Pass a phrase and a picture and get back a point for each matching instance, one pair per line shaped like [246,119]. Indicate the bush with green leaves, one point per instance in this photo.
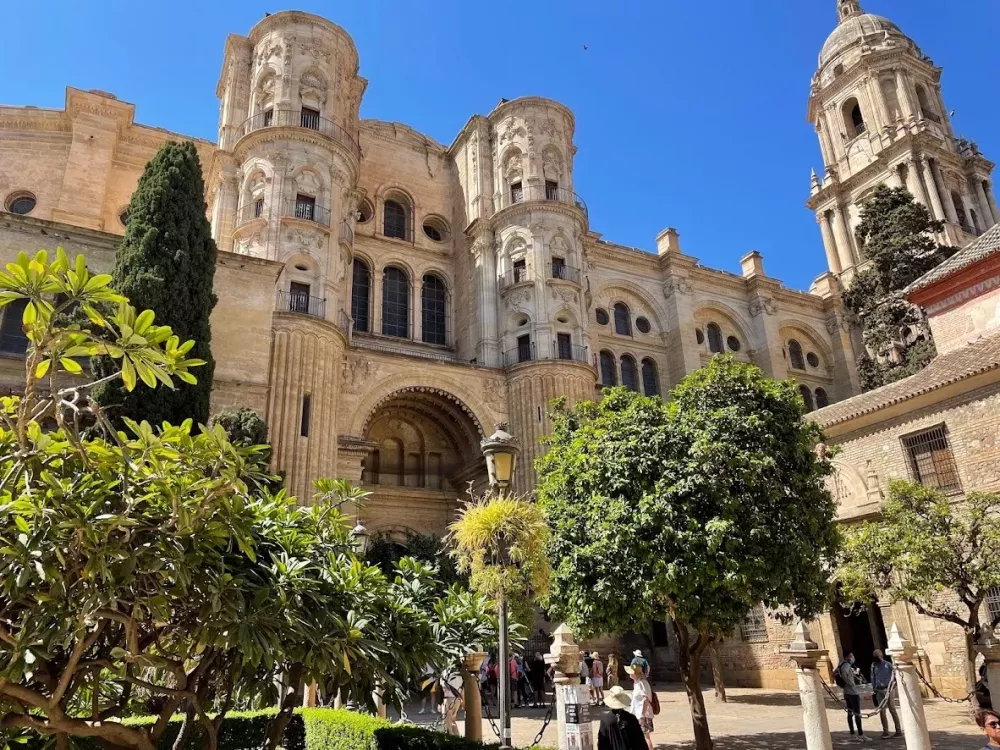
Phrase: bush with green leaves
[154,566]
[697,510]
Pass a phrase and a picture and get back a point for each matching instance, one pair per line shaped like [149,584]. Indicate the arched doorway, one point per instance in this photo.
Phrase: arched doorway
[425,451]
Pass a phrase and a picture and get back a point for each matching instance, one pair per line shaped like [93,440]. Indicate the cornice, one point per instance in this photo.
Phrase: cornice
[274,21]
[505,216]
[278,133]
[508,109]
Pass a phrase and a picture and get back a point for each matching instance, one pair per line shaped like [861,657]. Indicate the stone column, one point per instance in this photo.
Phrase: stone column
[967,205]
[984,205]
[473,700]
[913,183]
[991,199]
[825,147]
[829,242]
[903,92]
[564,656]
[935,196]
[484,258]
[807,654]
[842,232]
[911,702]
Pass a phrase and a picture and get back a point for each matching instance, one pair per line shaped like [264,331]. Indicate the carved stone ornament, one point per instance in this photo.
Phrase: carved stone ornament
[358,370]
[672,285]
[495,393]
[762,305]
[303,238]
[517,297]
[836,322]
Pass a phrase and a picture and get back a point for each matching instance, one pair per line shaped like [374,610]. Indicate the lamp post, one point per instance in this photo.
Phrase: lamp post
[501,450]
[360,536]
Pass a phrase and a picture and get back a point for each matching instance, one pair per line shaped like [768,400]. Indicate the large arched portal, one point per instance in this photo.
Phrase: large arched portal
[425,451]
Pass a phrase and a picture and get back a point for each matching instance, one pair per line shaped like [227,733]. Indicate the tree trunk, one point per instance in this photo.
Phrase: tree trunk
[689,661]
[970,660]
[718,673]
[182,734]
[293,697]
[62,741]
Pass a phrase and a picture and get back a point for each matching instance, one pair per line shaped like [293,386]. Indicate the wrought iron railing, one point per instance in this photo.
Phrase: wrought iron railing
[565,273]
[514,276]
[347,232]
[250,211]
[308,211]
[540,193]
[294,118]
[531,353]
[519,354]
[297,302]
[572,352]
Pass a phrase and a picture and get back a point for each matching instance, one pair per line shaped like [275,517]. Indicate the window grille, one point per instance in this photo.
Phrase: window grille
[524,348]
[268,117]
[564,344]
[434,309]
[993,603]
[305,207]
[795,355]
[520,271]
[753,629]
[395,303]
[650,381]
[309,118]
[298,297]
[609,374]
[516,192]
[394,220]
[629,375]
[715,344]
[12,338]
[623,321]
[551,190]
[931,460]
[361,289]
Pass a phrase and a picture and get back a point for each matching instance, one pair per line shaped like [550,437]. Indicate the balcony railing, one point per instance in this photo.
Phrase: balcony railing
[250,211]
[308,211]
[346,232]
[565,273]
[532,353]
[540,193]
[294,118]
[297,302]
[515,276]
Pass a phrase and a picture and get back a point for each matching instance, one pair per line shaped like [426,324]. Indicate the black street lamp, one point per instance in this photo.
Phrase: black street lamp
[501,451]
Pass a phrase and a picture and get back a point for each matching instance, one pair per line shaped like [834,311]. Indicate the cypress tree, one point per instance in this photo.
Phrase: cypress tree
[166,263]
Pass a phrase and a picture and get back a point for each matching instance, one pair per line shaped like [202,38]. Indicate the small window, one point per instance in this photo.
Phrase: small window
[309,118]
[123,217]
[993,603]
[520,270]
[733,343]
[623,320]
[630,376]
[715,338]
[642,324]
[12,338]
[699,335]
[268,117]
[305,207]
[433,232]
[609,372]
[602,316]
[21,203]
[650,380]
[564,345]
[822,400]
[306,408]
[753,629]
[795,355]
[558,268]
[365,211]
[551,190]
[258,208]
[516,192]
[361,285]
[524,348]
[812,359]
[807,397]
[298,297]
[931,460]
[394,220]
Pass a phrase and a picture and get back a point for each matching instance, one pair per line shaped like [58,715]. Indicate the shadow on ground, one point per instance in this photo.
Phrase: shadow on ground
[767,699]
[841,741]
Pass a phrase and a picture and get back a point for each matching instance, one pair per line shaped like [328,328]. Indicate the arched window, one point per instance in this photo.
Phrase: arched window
[12,337]
[433,307]
[394,222]
[630,375]
[926,108]
[361,293]
[395,302]
[795,355]
[807,397]
[609,373]
[821,398]
[714,338]
[650,380]
[854,120]
[623,321]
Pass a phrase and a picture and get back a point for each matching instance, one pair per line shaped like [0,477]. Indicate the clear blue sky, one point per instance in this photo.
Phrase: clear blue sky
[690,113]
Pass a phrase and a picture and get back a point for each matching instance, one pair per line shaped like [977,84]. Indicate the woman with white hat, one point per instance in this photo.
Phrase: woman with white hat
[619,729]
[642,702]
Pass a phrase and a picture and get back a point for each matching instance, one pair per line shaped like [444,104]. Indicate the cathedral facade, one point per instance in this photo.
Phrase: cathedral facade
[385,299]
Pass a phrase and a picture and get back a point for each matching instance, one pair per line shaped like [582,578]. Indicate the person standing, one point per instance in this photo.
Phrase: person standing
[619,729]
[882,689]
[989,721]
[584,669]
[597,679]
[852,693]
[611,673]
[642,703]
[536,675]
[637,659]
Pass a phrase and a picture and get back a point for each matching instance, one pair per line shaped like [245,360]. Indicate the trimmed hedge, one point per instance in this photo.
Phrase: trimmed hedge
[308,729]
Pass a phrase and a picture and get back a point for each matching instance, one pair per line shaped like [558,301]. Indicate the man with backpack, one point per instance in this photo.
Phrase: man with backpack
[848,679]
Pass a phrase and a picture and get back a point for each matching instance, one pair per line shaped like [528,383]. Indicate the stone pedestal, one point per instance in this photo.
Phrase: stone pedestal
[989,647]
[473,700]
[565,657]
[911,702]
[807,656]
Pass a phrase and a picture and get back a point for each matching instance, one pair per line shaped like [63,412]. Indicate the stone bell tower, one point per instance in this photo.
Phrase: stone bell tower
[880,117]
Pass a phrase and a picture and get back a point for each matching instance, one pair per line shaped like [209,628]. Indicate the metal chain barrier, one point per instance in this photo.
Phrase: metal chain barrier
[538,737]
[489,716]
[545,724]
[877,710]
[937,694]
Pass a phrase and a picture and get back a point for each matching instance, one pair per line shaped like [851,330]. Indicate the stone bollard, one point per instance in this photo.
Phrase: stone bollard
[473,700]
[806,654]
[989,647]
[565,657]
[911,702]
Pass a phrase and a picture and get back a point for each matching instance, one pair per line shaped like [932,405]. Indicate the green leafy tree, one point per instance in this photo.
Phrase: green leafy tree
[939,555]
[385,551]
[696,510]
[154,568]
[896,234]
[243,426]
[167,260]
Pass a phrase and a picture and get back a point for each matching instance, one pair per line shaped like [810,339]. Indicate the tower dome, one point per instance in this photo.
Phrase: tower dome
[857,28]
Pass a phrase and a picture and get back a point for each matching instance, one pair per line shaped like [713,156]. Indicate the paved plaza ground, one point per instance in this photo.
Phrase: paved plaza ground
[761,720]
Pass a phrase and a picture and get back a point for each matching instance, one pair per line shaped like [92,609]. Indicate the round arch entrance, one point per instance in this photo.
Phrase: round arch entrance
[425,452]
